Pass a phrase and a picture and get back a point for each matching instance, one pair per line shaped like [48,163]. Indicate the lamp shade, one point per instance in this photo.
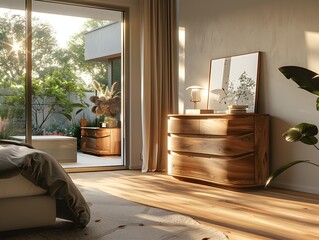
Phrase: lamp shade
[194,87]
[195,93]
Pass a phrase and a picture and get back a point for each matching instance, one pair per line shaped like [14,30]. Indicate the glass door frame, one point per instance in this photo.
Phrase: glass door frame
[28,80]
[124,75]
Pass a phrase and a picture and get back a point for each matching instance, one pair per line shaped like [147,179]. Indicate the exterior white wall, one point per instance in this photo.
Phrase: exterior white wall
[69,10]
[103,42]
[287,33]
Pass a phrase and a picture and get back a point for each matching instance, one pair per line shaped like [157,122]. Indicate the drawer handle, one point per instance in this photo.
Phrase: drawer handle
[104,136]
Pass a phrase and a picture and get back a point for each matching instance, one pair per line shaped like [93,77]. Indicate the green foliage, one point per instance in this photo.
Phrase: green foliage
[303,132]
[285,167]
[54,95]
[57,86]
[95,70]
[12,31]
[305,78]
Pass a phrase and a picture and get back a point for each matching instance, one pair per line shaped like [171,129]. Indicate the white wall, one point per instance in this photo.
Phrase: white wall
[104,42]
[287,33]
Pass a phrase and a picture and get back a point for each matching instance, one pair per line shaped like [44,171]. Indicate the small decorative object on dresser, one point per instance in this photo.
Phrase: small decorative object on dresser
[226,149]
[237,109]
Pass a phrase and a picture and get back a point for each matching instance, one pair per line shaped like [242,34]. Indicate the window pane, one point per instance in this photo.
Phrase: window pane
[12,69]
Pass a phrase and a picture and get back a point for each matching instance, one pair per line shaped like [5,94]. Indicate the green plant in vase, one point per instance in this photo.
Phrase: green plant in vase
[303,132]
[107,103]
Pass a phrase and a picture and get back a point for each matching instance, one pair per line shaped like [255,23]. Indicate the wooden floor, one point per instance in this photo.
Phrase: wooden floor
[244,214]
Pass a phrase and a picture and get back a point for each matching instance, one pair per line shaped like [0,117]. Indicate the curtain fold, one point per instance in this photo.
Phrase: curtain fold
[159,79]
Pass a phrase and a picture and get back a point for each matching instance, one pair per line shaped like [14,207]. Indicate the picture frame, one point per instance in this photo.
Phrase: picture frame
[234,81]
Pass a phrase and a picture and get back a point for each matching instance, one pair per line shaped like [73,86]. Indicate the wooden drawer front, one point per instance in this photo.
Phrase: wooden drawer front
[212,126]
[190,126]
[96,133]
[224,146]
[96,143]
[224,126]
[227,171]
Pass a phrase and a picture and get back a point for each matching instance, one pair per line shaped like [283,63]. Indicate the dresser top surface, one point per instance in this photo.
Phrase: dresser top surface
[217,115]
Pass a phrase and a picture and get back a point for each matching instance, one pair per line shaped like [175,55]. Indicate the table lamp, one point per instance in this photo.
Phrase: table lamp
[195,94]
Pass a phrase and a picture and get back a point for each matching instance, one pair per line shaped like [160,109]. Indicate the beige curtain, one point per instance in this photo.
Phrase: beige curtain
[159,79]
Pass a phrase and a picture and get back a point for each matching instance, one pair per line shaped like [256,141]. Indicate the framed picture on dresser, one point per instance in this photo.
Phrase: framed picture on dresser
[234,81]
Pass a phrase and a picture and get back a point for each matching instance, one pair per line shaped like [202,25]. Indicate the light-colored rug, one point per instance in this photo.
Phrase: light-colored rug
[113,218]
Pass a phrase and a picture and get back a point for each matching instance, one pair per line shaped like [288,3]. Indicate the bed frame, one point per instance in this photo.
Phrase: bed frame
[26,209]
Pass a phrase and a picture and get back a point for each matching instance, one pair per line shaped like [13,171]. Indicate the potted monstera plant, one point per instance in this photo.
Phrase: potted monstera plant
[303,132]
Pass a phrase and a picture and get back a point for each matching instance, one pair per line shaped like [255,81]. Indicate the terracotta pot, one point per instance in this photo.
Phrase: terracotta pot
[83,122]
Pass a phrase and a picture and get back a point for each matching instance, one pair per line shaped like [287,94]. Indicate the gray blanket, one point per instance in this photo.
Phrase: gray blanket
[44,171]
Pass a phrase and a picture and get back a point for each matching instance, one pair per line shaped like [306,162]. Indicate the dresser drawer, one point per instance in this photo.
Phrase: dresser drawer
[101,141]
[226,171]
[228,126]
[101,133]
[187,126]
[220,146]
[212,126]
[226,149]
[96,143]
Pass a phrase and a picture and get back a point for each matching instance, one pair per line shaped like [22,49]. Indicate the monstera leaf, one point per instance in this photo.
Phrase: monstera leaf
[303,132]
[305,78]
[285,167]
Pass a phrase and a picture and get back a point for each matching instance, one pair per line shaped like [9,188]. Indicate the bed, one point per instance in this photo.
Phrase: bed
[35,189]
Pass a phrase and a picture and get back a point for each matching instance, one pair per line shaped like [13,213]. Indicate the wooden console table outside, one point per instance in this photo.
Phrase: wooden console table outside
[101,141]
[226,149]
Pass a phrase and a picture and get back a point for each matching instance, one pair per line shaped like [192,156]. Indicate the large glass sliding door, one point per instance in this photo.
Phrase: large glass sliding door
[74,55]
[76,60]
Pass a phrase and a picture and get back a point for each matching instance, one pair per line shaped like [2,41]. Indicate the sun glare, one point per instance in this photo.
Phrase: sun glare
[16,47]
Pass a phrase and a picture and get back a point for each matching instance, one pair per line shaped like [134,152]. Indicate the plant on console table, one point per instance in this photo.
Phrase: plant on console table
[303,132]
[107,103]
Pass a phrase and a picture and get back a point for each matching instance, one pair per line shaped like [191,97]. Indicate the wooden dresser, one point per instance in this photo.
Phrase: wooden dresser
[101,141]
[226,149]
